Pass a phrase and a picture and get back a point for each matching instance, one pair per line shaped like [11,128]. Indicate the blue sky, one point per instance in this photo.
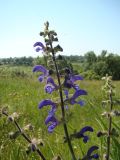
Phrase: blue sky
[82,25]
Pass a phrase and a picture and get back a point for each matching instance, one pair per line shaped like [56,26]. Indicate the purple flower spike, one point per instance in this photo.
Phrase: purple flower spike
[92,149]
[46,102]
[40,68]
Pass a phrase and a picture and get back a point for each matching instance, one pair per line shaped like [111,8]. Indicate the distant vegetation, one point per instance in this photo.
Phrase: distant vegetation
[90,65]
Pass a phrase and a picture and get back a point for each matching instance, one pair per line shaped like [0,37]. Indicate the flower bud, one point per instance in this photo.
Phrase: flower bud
[106,114]
[13,116]
[37,142]
[28,127]
[115,113]
[14,135]
[10,118]
[41,33]
[100,133]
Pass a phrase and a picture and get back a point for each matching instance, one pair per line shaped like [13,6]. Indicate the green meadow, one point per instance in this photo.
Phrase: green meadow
[21,92]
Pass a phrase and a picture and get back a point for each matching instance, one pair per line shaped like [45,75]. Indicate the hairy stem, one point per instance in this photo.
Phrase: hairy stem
[62,106]
[26,138]
[109,127]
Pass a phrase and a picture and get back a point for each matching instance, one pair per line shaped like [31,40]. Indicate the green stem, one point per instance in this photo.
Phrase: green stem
[109,127]
[62,106]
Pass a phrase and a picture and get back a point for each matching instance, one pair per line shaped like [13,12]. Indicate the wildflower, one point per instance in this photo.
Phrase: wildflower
[50,86]
[70,79]
[52,122]
[80,134]
[92,149]
[40,46]
[51,81]
[47,102]
[89,156]
[76,95]
[43,70]
[72,100]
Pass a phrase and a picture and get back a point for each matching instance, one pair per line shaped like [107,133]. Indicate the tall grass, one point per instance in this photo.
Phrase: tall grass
[22,95]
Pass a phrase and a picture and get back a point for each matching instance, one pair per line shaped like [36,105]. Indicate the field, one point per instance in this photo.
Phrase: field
[21,92]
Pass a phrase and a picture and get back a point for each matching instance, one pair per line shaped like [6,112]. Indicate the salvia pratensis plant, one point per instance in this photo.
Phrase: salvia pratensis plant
[63,81]
[66,81]
[109,102]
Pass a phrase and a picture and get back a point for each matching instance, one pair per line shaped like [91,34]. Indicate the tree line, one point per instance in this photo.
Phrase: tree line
[90,65]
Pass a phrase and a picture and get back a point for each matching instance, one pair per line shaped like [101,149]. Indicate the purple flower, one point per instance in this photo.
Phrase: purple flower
[49,88]
[81,103]
[76,95]
[37,49]
[41,78]
[51,81]
[70,79]
[41,69]
[92,149]
[67,83]
[80,134]
[76,87]
[40,46]
[75,78]
[52,122]
[50,118]
[52,126]
[46,102]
